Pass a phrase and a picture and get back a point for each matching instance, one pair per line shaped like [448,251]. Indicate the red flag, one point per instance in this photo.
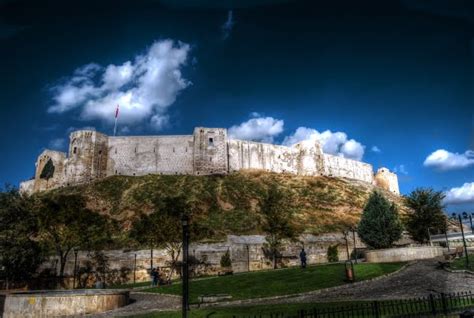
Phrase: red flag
[117,111]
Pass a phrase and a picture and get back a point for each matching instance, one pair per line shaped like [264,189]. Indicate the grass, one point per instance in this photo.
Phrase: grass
[277,282]
[388,308]
[460,263]
[263,310]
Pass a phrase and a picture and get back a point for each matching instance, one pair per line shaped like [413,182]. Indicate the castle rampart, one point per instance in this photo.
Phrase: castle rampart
[93,155]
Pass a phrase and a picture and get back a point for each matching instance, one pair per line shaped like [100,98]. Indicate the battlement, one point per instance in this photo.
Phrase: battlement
[93,155]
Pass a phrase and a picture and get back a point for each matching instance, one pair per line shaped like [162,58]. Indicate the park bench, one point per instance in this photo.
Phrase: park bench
[457,252]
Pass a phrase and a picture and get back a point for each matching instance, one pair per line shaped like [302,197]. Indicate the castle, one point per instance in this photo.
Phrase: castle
[93,155]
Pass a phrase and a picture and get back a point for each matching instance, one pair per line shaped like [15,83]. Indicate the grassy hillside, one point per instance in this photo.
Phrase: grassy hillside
[230,204]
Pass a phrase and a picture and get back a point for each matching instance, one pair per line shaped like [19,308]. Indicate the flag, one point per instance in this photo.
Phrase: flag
[116,116]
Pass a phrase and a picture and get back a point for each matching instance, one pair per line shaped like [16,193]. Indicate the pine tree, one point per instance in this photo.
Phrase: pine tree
[380,224]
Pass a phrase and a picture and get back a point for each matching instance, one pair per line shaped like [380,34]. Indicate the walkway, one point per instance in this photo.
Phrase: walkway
[416,280]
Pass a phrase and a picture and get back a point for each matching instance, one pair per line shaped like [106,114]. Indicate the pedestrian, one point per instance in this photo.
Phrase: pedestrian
[154,277]
[303,258]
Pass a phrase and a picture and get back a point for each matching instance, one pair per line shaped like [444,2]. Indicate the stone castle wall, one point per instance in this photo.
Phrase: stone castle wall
[93,155]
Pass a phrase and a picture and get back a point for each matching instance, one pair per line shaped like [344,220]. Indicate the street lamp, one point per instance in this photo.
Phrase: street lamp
[135,270]
[463,238]
[353,229]
[185,225]
[347,244]
[466,216]
[75,268]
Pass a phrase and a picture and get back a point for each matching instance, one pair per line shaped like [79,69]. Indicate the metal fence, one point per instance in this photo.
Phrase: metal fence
[432,305]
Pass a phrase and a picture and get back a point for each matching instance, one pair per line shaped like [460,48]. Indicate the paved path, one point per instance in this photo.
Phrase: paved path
[144,303]
[416,280]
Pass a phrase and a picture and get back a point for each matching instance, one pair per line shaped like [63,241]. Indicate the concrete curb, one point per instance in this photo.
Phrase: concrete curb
[465,271]
[314,292]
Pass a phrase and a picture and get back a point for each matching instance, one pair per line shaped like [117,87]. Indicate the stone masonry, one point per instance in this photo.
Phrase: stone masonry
[93,155]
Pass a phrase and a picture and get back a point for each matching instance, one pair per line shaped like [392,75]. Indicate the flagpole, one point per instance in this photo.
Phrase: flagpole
[116,117]
[115,126]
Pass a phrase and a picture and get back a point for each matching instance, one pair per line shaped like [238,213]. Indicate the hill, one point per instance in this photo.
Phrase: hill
[229,204]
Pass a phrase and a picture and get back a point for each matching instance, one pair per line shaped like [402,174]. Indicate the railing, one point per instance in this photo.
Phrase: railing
[434,304]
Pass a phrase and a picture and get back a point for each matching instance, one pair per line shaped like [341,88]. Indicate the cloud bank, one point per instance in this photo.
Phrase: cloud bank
[266,129]
[144,87]
[463,194]
[335,143]
[258,128]
[444,160]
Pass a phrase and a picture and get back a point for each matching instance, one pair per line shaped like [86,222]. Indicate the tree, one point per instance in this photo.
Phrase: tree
[162,228]
[66,223]
[277,220]
[426,214]
[380,224]
[20,253]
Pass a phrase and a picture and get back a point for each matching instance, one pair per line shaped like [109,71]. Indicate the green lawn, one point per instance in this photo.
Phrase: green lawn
[277,282]
[263,310]
[460,263]
[387,309]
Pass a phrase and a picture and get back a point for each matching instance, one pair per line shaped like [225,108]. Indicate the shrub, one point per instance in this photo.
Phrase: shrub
[225,260]
[333,253]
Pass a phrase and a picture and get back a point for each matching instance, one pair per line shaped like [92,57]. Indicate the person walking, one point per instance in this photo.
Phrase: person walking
[303,258]
[154,277]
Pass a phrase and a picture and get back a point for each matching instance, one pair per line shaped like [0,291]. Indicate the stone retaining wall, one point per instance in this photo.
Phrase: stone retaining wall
[403,254]
[62,303]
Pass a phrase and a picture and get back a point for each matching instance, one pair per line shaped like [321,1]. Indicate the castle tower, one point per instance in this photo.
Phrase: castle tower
[210,151]
[87,159]
[387,180]
[49,170]
[309,158]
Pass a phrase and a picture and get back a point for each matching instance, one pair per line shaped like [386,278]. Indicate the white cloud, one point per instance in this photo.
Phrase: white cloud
[228,24]
[57,144]
[444,160]
[258,129]
[143,87]
[335,143]
[463,194]
[375,149]
[400,169]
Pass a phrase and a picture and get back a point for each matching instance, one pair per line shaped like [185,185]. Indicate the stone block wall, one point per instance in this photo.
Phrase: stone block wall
[336,166]
[150,155]
[93,155]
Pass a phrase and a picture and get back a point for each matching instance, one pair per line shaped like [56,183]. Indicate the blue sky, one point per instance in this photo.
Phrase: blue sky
[395,77]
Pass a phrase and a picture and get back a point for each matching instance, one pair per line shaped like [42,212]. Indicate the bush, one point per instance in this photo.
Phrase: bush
[333,253]
[380,224]
[225,260]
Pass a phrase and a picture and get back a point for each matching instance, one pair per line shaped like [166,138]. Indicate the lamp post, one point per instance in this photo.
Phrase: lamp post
[355,247]
[466,216]
[347,244]
[185,225]
[75,268]
[135,270]
[463,238]
[248,257]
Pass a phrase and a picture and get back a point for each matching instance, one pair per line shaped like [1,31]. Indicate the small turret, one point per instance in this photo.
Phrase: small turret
[387,180]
